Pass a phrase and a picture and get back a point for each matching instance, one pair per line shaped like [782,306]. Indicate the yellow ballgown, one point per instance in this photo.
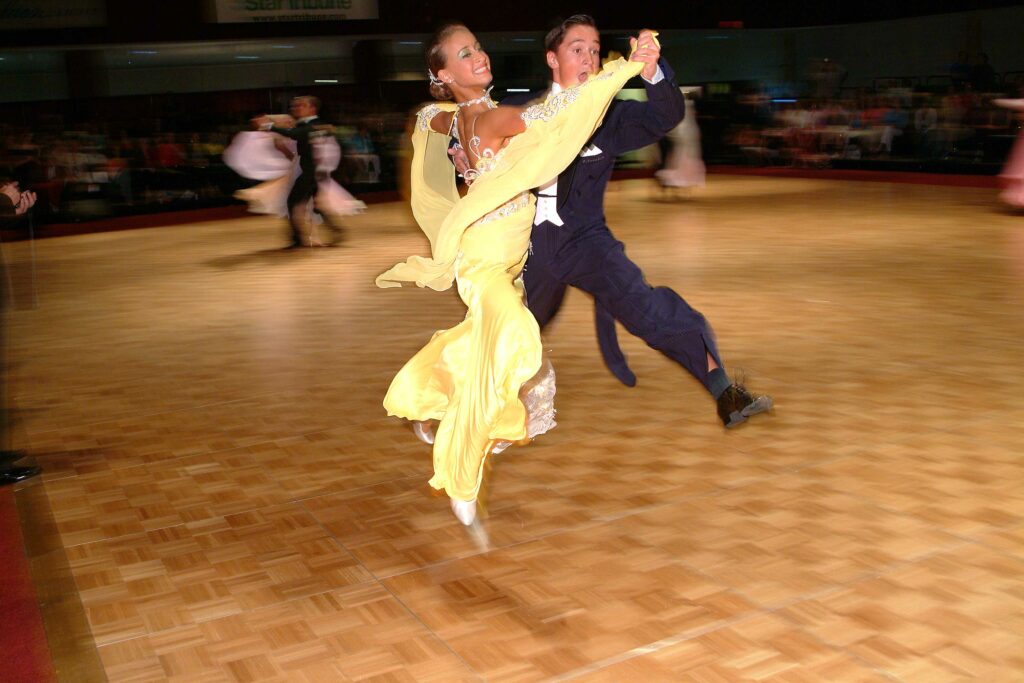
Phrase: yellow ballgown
[471,376]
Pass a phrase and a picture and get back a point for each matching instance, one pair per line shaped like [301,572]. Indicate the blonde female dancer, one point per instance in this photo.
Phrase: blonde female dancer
[470,377]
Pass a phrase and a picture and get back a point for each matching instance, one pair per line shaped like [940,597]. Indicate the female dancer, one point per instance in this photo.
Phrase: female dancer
[1013,170]
[471,376]
[684,166]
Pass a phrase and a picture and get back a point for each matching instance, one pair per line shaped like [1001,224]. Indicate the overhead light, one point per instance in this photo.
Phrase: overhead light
[325,80]
[246,57]
[783,100]
[517,90]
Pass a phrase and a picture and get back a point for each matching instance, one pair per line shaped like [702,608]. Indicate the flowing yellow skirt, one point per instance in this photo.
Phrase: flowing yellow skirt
[470,376]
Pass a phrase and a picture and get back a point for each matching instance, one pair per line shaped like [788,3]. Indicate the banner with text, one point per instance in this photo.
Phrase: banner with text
[19,14]
[248,11]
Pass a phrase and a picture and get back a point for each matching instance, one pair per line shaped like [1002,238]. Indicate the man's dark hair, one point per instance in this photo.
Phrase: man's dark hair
[556,35]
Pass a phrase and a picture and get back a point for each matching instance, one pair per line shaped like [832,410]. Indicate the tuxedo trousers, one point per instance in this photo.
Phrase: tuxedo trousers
[591,259]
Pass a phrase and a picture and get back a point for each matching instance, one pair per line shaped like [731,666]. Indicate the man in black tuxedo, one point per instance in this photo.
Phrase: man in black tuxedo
[305,111]
[571,243]
[14,206]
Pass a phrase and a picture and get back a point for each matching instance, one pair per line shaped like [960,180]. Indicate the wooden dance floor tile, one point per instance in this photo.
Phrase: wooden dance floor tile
[955,615]
[763,647]
[231,503]
[542,608]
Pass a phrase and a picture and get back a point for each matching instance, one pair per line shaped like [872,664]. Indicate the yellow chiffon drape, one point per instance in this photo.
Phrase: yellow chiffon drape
[469,377]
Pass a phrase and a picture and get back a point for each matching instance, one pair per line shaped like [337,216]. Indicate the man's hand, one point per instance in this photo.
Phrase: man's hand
[28,200]
[459,158]
[645,48]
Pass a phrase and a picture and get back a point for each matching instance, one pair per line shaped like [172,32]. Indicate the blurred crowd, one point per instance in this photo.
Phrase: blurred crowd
[934,121]
[97,169]
[93,170]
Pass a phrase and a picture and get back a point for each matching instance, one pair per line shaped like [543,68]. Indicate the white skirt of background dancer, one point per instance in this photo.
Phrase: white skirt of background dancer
[254,155]
[1013,172]
[684,166]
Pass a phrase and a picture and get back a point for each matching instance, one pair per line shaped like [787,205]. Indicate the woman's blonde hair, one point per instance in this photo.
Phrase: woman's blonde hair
[436,60]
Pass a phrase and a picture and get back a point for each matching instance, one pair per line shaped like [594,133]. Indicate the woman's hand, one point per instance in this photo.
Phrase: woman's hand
[646,48]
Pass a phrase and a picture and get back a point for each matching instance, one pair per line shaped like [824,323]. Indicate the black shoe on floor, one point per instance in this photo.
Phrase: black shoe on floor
[8,457]
[736,404]
[13,475]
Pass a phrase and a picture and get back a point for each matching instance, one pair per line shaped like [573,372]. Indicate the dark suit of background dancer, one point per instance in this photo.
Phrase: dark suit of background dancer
[14,204]
[572,244]
[305,111]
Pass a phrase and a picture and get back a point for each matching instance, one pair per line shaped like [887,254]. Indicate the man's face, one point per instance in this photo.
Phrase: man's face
[577,58]
[302,108]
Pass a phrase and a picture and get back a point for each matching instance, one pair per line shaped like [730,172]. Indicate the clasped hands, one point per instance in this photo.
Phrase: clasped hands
[646,48]
[22,201]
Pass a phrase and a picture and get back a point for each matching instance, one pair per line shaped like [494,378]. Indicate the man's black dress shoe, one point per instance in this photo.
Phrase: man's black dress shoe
[13,475]
[736,404]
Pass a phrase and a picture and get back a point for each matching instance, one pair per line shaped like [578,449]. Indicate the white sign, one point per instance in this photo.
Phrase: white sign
[19,14]
[235,11]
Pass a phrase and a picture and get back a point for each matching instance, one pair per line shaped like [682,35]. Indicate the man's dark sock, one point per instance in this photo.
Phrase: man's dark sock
[718,382]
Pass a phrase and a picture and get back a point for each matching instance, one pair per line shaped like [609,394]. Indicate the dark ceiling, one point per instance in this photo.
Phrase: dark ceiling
[132,21]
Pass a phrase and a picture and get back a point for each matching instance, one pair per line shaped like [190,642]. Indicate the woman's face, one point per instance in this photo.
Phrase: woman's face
[466,64]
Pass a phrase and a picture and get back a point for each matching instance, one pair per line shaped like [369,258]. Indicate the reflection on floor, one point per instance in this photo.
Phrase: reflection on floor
[233,505]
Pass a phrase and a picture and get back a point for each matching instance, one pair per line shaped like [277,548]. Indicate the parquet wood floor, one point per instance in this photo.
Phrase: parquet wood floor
[234,505]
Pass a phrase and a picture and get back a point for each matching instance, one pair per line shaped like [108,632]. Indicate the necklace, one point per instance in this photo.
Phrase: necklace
[485,99]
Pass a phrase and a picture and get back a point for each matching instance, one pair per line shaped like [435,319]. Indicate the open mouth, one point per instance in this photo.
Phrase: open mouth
[584,76]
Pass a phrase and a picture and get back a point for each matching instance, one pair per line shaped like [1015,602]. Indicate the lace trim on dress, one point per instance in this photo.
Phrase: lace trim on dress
[538,395]
[426,115]
[547,109]
[517,203]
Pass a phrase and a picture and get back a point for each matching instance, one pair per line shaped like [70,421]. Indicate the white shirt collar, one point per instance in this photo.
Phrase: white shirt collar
[307,119]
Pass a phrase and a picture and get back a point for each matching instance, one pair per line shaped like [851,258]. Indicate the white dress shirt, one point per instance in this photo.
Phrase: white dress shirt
[547,194]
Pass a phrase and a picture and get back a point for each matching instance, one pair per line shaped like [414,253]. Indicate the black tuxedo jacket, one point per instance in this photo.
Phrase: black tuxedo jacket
[627,125]
[302,133]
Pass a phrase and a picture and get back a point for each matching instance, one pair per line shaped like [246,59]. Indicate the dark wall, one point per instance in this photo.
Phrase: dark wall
[183,20]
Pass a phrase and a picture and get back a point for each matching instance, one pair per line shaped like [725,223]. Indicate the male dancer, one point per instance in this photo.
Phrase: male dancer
[305,111]
[571,243]
[14,204]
